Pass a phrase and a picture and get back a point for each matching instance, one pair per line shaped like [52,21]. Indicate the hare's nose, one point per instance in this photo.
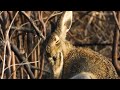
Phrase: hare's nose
[48,55]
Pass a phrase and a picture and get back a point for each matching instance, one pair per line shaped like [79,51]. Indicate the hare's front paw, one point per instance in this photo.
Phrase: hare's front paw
[59,59]
[51,61]
[58,65]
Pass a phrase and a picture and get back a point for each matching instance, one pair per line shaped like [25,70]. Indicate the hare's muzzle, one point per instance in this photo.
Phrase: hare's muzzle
[51,56]
[51,59]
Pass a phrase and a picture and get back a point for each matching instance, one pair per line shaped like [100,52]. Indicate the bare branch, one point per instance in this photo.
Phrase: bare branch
[39,33]
[22,59]
[115,42]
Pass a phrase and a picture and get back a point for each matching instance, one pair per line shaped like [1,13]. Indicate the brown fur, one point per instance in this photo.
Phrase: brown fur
[76,59]
[86,60]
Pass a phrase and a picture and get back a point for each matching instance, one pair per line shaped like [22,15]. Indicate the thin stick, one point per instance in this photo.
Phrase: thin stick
[35,59]
[52,15]
[115,43]
[21,64]
[39,33]
[14,67]
[22,59]
[21,72]
[3,62]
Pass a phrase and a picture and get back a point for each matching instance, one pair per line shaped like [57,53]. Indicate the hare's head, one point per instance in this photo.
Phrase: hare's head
[57,41]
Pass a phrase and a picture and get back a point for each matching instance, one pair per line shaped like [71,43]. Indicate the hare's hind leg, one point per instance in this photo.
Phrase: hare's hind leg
[84,75]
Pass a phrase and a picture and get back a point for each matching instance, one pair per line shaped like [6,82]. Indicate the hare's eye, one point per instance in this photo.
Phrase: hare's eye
[57,42]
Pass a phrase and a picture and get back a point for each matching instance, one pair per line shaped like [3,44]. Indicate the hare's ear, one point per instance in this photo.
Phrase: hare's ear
[65,21]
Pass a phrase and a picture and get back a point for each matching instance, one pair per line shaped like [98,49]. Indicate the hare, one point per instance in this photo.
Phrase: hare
[70,62]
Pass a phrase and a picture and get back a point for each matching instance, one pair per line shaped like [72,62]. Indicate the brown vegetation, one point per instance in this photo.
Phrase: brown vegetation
[23,35]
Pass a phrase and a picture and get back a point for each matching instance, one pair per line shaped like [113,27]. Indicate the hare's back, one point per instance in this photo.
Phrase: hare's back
[87,60]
